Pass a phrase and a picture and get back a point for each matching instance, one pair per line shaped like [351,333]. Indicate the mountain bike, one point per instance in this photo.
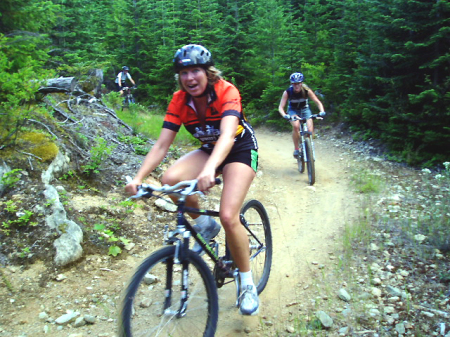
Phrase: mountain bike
[128,96]
[307,155]
[173,292]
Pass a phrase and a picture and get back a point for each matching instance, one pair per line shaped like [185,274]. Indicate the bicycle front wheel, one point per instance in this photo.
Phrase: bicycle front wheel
[153,306]
[301,163]
[255,218]
[310,162]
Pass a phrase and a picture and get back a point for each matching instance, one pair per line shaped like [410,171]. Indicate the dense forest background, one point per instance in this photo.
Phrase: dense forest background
[382,67]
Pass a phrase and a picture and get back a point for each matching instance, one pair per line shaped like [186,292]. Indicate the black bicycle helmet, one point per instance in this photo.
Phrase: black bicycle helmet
[125,68]
[296,78]
[192,55]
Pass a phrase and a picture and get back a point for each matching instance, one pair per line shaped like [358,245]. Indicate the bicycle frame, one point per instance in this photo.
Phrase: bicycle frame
[195,294]
[304,133]
[127,96]
[186,230]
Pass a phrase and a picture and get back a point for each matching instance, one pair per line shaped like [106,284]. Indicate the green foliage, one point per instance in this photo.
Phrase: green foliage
[434,217]
[129,205]
[149,125]
[13,216]
[383,67]
[99,153]
[66,176]
[366,182]
[112,99]
[6,281]
[139,143]
[108,235]
[135,140]
[23,53]
[24,252]
[10,178]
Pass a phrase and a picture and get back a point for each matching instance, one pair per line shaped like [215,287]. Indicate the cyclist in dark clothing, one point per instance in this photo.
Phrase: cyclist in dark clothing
[298,95]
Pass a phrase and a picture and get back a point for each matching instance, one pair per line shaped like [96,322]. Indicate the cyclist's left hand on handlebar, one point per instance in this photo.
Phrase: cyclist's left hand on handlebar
[287,117]
[206,179]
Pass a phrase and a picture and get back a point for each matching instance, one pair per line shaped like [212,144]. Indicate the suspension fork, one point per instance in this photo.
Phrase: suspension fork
[180,257]
[184,273]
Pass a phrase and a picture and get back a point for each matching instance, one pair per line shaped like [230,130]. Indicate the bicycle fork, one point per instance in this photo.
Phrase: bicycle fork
[305,154]
[181,249]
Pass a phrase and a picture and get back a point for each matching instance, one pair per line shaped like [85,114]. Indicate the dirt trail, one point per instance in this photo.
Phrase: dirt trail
[306,225]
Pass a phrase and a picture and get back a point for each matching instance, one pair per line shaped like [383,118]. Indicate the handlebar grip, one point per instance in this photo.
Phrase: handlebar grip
[218,181]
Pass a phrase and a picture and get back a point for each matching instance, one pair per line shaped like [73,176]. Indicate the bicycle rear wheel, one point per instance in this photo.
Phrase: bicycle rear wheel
[310,162]
[152,301]
[255,218]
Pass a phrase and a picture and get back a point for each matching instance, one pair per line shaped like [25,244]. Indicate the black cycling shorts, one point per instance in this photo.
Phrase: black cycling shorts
[247,157]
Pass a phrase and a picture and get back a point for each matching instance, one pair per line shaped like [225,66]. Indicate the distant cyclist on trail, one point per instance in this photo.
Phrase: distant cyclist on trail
[298,95]
[121,79]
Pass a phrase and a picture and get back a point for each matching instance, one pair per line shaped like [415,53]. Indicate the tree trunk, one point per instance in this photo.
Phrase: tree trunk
[66,84]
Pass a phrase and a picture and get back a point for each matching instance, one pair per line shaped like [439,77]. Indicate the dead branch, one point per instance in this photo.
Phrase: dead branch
[48,129]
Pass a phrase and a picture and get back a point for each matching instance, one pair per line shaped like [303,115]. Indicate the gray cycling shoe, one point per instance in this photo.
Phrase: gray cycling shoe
[208,233]
[296,153]
[249,301]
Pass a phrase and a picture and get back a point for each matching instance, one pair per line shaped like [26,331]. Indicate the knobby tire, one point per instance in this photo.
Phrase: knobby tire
[301,163]
[310,161]
[256,217]
[142,312]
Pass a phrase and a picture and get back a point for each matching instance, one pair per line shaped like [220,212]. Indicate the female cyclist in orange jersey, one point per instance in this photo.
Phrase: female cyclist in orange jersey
[210,109]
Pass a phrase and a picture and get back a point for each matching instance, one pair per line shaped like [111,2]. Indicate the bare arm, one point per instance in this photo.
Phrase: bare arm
[228,128]
[131,79]
[313,97]
[283,102]
[152,160]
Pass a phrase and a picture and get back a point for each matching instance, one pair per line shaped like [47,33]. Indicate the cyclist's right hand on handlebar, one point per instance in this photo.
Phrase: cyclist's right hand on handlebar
[132,186]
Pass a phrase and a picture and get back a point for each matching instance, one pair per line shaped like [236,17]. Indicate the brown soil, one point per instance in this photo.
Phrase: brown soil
[307,223]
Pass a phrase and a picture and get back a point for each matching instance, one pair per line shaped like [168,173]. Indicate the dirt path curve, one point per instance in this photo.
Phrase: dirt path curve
[306,225]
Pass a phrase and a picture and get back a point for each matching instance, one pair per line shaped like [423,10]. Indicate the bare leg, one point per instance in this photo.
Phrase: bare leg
[237,178]
[186,168]
[295,133]
[310,125]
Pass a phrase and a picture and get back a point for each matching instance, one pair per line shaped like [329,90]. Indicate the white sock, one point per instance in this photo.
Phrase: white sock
[246,279]
[202,221]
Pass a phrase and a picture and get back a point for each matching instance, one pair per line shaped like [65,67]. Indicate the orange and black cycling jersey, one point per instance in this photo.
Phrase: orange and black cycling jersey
[223,100]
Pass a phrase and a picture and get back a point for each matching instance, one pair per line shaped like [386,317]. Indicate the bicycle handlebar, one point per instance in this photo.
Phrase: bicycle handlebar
[186,187]
[320,115]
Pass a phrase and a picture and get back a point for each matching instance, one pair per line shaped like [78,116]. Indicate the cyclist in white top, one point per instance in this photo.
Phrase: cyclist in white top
[122,77]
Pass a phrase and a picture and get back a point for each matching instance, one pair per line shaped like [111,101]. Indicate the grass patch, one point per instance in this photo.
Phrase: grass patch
[149,123]
[366,182]
[146,121]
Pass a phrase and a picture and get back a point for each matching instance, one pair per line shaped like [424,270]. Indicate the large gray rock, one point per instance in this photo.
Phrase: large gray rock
[3,170]
[68,245]
[58,167]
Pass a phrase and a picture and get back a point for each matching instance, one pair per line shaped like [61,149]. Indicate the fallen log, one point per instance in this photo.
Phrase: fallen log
[65,84]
